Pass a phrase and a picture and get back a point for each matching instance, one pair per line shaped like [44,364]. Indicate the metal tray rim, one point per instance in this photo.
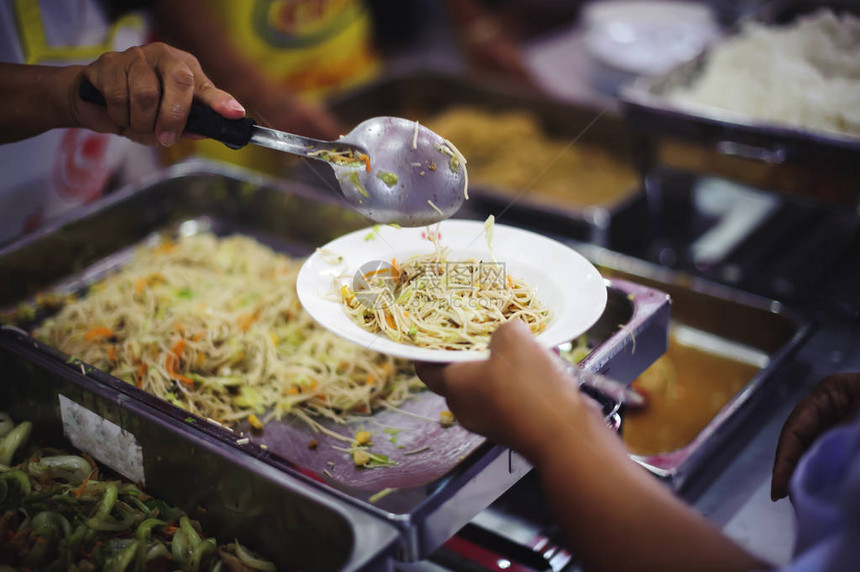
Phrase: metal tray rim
[414,526]
[18,341]
[804,325]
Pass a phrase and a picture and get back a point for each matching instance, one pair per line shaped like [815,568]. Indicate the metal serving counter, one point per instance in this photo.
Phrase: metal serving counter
[433,495]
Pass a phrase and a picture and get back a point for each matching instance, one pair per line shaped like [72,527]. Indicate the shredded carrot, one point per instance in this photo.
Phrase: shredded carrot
[140,285]
[165,248]
[293,390]
[510,282]
[369,380]
[178,347]
[80,490]
[112,352]
[245,320]
[395,267]
[366,160]
[374,273]
[172,361]
[141,371]
[389,320]
[100,332]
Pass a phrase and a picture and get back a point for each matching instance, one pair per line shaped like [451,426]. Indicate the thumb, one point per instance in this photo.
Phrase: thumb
[217,99]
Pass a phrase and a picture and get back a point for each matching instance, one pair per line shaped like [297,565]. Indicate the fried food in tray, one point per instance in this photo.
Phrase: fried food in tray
[511,152]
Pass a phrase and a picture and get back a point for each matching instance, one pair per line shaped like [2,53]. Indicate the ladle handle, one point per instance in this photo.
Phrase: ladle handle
[234,133]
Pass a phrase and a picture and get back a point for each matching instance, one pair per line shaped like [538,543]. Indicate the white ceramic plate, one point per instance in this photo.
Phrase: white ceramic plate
[562,279]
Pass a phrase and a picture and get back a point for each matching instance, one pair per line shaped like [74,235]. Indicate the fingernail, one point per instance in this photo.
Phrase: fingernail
[235,105]
[167,138]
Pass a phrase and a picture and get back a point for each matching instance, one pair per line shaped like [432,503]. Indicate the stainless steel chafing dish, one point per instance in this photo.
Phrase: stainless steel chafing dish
[434,496]
[765,155]
[723,322]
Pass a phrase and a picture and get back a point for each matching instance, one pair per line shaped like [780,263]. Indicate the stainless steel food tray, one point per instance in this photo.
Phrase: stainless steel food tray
[422,94]
[726,322]
[816,163]
[437,493]
[233,494]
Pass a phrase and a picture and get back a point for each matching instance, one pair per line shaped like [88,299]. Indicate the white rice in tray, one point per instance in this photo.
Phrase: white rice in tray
[805,74]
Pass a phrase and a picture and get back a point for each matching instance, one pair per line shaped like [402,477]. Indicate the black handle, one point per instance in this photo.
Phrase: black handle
[234,133]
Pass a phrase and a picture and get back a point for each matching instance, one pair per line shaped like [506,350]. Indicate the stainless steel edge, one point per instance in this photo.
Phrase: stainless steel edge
[644,103]
[796,327]
[637,344]
[623,357]
[490,470]
[372,537]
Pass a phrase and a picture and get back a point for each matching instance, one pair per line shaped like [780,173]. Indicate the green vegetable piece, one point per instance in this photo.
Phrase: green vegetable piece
[119,562]
[128,518]
[14,479]
[179,547]
[70,468]
[13,440]
[189,548]
[191,534]
[250,561]
[160,551]
[200,555]
[144,529]
[49,524]
[381,494]
[250,398]
[377,460]
[390,179]
[185,293]
[353,178]
[108,501]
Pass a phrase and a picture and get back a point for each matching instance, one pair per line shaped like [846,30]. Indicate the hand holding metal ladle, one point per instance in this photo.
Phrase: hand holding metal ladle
[391,170]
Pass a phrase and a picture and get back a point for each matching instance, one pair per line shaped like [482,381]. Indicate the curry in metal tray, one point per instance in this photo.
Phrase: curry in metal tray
[685,389]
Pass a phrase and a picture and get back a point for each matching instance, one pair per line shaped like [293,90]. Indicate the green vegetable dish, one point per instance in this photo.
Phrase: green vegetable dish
[57,513]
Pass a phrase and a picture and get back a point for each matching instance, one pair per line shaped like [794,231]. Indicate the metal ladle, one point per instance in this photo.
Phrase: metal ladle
[391,170]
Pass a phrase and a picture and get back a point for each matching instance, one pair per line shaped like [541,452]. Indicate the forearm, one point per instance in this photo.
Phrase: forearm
[35,99]
[615,516]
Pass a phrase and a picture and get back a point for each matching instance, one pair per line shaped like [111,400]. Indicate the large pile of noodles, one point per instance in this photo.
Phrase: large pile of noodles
[215,326]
